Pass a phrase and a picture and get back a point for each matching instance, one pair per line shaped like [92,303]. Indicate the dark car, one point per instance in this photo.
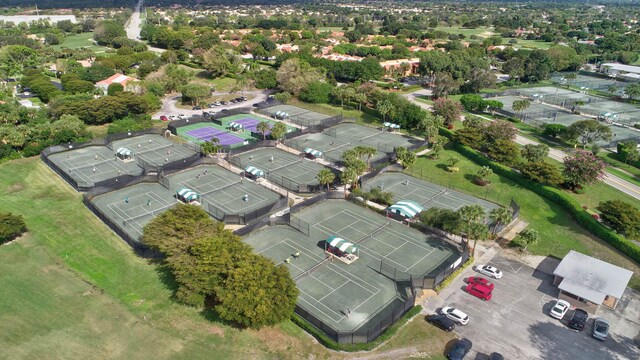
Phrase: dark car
[460,349]
[578,319]
[196,108]
[496,356]
[223,103]
[243,98]
[442,322]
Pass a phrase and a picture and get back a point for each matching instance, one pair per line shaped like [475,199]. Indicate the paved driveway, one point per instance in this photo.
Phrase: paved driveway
[516,323]
[169,104]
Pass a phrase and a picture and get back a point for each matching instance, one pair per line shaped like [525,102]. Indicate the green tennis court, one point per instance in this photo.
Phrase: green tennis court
[131,208]
[249,121]
[223,192]
[331,147]
[406,187]
[379,138]
[92,164]
[343,296]
[154,149]
[279,164]
[295,115]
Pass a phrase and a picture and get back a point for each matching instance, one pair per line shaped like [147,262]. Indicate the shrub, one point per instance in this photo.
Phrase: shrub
[453,275]
[621,216]
[11,226]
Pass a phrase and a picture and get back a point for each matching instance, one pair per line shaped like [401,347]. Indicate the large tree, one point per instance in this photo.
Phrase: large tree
[326,177]
[194,92]
[294,75]
[621,216]
[219,61]
[449,110]
[588,132]
[583,168]
[535,152]
[11,226]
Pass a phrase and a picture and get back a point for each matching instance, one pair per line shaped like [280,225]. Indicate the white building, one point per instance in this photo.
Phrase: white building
[17,19]
[621,71]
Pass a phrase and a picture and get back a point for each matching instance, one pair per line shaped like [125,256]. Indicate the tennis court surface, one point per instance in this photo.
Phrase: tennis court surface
[93,164]
[296,115]
[406,187]
[205,131]
[223,193]
[132,207]
[281,167]
[332,147]
[154,149]
[346,297]
[379,138]
[250,122]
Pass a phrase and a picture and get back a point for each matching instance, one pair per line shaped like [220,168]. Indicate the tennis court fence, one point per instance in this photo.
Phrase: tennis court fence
[248,216]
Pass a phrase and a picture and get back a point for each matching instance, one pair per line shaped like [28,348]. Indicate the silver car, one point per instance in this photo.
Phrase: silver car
[600,329]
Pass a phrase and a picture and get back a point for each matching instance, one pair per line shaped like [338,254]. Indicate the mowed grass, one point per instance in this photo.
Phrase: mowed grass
[72,289]
[481,31]
[559,233]
[83,40]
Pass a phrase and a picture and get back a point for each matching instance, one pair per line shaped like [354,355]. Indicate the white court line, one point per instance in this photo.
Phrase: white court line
[261,200]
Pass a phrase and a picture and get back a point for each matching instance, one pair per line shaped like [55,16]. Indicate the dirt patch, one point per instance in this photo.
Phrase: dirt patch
[215,330]
[14,188]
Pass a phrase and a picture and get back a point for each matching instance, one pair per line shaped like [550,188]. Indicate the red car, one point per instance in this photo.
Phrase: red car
[479,291]
[163,118]
[477,280]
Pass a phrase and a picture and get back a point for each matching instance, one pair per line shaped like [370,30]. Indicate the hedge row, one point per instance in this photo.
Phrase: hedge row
[570,204]
[454,275]
[329,343]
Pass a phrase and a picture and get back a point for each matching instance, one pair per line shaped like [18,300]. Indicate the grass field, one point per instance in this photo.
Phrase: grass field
[76,291]
[559,233]
[482,31]
[80,41]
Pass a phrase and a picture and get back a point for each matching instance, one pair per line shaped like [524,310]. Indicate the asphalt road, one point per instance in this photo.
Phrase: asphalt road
[556,154]
[134,25]
[169,104]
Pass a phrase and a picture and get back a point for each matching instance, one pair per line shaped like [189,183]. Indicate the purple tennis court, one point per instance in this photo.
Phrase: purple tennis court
[207,133]
[251,124]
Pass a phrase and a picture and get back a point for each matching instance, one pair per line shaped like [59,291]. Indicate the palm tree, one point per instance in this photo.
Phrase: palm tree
[528,237]
[436,148]
[326,177]
[263,127]
[349,94]
[347,177]
[210,147]
[500,216]
[360,98]
[338,93]
[477,232]
[470,214]
[367,151]
[385,107]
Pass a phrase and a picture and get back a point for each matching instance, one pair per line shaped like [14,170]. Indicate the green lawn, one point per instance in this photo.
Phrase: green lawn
[482,31]
[80,41]
[528,44]
[72,289]
[559,232]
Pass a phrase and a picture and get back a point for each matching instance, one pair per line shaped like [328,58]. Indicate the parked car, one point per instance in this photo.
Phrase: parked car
[233,101]
[442,322]
[479,291]
[600,329]
[172,117]
[559,309]
[460,349]
[164,118]
[489,270]
[181,117]
[481,281]
[578,319]
[243,98]
[197,107]
[455,314]
[496,356]
[223,103]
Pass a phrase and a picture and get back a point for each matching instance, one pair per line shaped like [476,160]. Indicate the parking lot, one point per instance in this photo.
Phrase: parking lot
[516,321]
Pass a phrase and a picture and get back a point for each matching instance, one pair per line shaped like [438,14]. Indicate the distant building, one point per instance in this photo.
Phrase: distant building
[127,82]
[621,71]
[17,19]
[590,281]
[397,65]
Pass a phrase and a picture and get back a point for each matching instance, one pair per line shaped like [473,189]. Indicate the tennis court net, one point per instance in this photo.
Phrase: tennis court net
[93,164]
[338,147]
[155,212]
[154,149]
[284,166]
[372,135]
[312,269]
[441,192]
[375,232]
[221,188]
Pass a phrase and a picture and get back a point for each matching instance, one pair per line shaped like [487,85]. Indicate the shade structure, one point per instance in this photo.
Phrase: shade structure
[341,244]
[391,125]
[235,126]
[124,152]
[406,208]
[254,171]
[187,195]
[313,152]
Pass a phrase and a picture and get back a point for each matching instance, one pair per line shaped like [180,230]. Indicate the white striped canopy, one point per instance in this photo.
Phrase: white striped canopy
[341,244]
[406,208]
[313,152]
[235,125]
[254,171]
[391,125]
[187,195]
[123,152]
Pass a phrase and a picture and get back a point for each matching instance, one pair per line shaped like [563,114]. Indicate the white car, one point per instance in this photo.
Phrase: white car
[559,309]
[455,315]
[489,270]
